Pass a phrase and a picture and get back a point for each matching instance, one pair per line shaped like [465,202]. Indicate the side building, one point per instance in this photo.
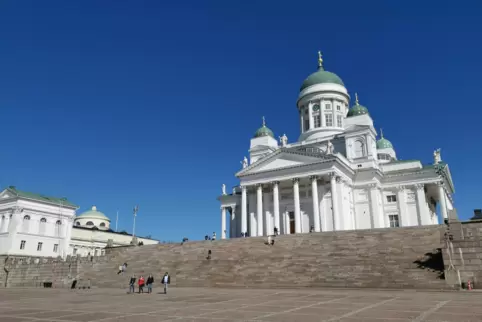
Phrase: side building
[37,225]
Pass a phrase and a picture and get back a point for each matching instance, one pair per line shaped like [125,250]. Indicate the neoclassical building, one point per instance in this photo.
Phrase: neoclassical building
[37,225]
[336,176]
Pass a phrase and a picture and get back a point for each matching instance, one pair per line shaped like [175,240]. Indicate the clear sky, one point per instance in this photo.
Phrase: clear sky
[117,103]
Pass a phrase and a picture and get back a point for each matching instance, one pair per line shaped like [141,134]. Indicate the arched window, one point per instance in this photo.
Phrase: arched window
[359,149]
[102,224]
[26,223]
[58,228]
[89,223]
[41,227]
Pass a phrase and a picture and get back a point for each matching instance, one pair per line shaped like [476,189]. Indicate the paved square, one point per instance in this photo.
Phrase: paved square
[198,304]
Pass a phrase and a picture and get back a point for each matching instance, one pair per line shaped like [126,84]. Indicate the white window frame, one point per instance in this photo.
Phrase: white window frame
[394,220]
[316,119]
[339,121]
[327,106]
[391,198]
[329,119]
[56,248]
[22,244]
[39,246]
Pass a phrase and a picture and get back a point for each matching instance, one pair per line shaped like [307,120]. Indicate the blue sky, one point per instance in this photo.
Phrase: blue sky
[117,103]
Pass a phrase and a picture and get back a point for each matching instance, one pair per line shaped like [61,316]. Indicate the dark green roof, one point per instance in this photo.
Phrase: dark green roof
[35,196]
[321,76]
[263,131]
[384,144]
[357,110]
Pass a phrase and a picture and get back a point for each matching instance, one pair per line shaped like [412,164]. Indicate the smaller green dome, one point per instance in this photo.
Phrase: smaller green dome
[357,109]
[94,214]
[263,131]
[383,143]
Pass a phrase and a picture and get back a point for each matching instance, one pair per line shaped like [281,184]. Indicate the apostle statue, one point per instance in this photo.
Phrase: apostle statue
[245,162]
[224,189]
[330,149]
[283,140]
[436,156]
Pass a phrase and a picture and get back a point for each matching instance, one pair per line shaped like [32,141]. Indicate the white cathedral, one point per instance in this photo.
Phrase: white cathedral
[337,176]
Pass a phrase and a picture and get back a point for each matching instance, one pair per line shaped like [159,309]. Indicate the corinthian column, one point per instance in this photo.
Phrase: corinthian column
[316,204]
[244,210]
[260,209]
[223,223]
[296,197]
[334,201]
[276,205]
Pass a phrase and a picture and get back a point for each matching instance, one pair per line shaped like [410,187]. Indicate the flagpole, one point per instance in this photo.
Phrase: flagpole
[116,220]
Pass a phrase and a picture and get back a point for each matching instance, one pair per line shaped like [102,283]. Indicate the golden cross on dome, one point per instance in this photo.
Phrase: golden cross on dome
[381,132]
[356,98]
[320,59]
[264,121]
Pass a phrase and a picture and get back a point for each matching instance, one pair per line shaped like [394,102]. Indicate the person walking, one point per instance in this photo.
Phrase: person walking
[141,284]
[132,284]
[166,279]
[149,282]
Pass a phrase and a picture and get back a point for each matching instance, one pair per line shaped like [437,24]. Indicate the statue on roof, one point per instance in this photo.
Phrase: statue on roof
[223,189]
[283,140]
[436,156]
[245,163]
[330,149]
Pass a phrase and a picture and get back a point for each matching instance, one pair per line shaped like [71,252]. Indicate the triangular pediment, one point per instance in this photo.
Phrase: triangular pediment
[282,159]
[6,194]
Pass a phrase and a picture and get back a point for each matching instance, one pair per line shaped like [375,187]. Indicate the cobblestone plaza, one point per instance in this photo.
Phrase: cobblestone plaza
[203,304]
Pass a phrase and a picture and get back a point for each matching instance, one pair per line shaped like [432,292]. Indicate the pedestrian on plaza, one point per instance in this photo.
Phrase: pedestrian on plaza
[132,284]
[166,279]
[149,282]
[141,284]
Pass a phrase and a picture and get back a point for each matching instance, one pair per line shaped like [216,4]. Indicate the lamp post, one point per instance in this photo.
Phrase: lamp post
[136,209]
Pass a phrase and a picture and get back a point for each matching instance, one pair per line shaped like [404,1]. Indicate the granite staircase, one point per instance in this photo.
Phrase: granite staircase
[385,258]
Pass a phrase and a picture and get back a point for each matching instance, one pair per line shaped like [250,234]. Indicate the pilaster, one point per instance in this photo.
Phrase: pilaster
[402,206]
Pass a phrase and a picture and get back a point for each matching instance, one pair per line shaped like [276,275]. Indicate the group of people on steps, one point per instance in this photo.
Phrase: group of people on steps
[141,282]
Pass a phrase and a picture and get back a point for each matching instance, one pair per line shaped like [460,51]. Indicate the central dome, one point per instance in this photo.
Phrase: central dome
[321,76]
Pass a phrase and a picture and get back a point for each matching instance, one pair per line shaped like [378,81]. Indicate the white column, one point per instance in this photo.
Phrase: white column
[316,204]
[443,203]
[374,208]
[310,115]
[321,203]
[296,197]
[302,121]
[6,223]
[244,210]
[233,226]
[223,223]
[422,207]
[402,207]
[260,209]
[276,206]
[322,113]
[252,215]
[334,202]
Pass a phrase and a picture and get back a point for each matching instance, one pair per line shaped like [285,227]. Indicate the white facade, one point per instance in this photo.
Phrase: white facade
[40,226]
[337,176]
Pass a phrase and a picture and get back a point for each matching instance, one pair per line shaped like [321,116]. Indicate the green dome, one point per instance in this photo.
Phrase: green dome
[263,131]
[320,77]
[384,144]
[93,214]
[357,109]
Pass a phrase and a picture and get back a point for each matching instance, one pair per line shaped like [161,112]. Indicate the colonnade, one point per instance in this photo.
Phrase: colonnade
[276,211]
[339,220]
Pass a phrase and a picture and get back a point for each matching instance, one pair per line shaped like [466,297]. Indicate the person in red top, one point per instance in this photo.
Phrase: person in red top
[141,284]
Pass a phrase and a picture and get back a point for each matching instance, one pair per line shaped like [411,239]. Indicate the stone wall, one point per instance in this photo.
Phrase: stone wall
[18,271]
[462,253]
